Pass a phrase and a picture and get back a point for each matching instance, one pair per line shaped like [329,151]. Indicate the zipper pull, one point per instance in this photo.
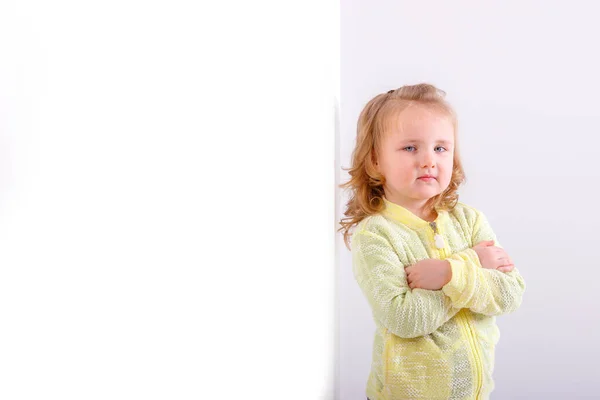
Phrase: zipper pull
[438,239]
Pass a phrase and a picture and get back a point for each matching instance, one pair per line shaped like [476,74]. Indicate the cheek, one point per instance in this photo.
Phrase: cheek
[446,170]
[399,172]
[398,163]
[404,169]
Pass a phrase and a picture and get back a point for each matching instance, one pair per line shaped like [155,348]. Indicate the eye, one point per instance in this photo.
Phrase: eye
[409,148]
[440,149]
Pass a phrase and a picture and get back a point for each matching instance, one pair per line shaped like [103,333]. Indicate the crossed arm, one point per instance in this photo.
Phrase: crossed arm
[416,300]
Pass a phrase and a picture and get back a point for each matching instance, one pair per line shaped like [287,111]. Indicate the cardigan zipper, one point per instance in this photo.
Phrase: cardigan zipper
[438,240]
[475,349]
[464,320]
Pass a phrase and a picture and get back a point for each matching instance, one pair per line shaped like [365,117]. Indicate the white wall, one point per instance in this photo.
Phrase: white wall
[163,234]
[524,79]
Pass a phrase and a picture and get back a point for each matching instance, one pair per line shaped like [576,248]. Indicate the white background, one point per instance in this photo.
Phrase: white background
[523,77]
[167,191]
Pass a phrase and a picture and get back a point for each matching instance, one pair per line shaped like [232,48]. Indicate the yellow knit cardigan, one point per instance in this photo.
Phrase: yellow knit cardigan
[431,344]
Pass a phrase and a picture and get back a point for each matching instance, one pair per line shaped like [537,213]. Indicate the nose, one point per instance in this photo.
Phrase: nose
[427,160]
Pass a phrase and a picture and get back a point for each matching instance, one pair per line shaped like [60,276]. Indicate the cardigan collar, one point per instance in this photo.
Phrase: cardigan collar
[406,217]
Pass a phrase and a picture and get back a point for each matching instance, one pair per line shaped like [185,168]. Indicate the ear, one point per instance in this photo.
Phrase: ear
[375,162]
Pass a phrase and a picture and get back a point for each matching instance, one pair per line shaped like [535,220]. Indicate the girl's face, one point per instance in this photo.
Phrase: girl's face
[416,157]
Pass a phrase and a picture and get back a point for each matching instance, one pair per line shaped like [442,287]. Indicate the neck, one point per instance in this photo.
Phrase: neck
[417,207]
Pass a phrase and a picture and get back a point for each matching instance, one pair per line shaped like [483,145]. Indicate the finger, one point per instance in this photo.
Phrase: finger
[500,252]
[486,243]
[507,268]
[508,262]
[408,269]
[504,265]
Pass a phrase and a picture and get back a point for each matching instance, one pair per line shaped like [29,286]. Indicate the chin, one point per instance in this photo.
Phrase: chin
[427,195]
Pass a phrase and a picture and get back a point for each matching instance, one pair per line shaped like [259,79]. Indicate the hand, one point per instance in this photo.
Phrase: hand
[493,257]
[429,274]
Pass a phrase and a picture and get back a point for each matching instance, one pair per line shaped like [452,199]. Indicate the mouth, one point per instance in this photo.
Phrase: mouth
[427,178]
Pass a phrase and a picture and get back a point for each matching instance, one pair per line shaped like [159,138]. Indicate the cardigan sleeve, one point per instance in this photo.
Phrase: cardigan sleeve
[382,279]
[485,291]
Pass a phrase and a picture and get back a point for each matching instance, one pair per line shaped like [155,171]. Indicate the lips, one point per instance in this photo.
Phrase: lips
[427,177]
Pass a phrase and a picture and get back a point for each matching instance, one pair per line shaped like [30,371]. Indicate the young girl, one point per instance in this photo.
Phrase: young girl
[430,267]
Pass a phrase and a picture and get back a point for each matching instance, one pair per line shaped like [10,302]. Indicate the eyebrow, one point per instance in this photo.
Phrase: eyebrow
[445,142]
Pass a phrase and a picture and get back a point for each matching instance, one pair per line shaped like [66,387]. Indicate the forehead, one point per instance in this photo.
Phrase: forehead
[420,123]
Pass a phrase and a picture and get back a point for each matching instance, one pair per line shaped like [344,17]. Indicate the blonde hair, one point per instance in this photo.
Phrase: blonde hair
[366,184]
